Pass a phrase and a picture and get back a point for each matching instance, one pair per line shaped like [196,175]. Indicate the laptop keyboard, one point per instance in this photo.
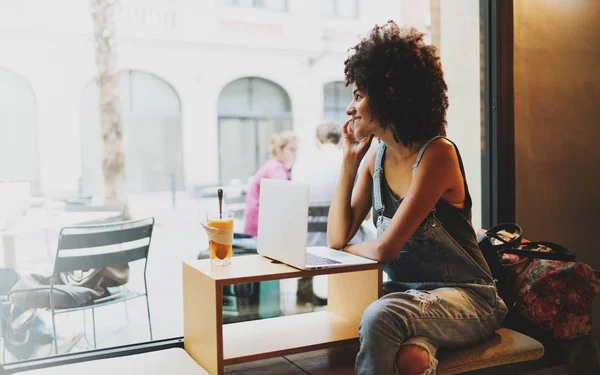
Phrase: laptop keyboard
[316,260]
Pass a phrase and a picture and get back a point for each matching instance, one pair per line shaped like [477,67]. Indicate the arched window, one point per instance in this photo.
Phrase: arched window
[336,98]
[339,8]
[19,149]
[250,110]
[151,113]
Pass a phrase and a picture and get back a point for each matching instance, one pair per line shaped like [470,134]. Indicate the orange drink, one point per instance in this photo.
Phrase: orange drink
[220,237]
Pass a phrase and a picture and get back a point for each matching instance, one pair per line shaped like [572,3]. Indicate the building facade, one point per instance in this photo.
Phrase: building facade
[202,84]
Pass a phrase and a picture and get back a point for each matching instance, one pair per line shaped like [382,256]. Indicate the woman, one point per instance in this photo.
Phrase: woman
[441,292]
[282,149]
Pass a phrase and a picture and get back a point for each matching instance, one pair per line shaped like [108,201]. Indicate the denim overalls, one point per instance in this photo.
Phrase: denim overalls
[439,294]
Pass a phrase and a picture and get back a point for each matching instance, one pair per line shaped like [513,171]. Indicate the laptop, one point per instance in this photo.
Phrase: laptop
[283,229]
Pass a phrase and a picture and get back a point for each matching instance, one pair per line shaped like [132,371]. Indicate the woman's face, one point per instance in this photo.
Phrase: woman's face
[362,123]
[287,154]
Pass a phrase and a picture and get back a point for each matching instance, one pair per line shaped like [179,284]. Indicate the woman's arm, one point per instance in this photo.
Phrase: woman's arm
[348,209]
[436,174]
[350,203]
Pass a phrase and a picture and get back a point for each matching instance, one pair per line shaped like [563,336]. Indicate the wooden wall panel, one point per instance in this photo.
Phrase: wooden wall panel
[557,124]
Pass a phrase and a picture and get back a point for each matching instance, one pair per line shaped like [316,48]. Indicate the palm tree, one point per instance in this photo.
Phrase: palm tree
[436,24]
[113,164]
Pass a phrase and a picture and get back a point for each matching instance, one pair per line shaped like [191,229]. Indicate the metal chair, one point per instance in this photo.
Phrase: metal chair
[317,219]
[86,247]
[317,226]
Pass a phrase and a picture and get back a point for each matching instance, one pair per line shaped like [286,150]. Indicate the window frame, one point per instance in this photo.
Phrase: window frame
[91,355]
[255,4]
[336,13]
[498,154]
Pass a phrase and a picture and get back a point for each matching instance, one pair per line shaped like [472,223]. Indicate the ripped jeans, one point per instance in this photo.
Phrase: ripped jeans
[442,317]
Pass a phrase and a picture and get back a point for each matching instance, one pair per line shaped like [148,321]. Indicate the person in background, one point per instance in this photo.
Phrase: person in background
[320,169]
[282,149]
[441,293]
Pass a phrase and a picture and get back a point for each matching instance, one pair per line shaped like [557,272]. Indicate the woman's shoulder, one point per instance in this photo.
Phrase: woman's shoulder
[439,155]
[440,148]
[273,164]
[274,168]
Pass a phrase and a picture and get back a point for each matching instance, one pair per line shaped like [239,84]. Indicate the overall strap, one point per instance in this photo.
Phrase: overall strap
[422,151]
[468,201]
[377,200]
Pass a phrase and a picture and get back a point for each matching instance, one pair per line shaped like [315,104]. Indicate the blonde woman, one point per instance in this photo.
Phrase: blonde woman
[282,149]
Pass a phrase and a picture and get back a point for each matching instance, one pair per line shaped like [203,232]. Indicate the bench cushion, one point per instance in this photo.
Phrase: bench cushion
[160,362]
[505,347]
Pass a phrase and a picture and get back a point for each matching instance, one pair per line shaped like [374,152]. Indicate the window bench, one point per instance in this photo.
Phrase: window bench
[506,347]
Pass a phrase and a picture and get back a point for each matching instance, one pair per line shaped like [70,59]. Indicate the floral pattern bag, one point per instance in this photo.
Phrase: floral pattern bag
[553,295]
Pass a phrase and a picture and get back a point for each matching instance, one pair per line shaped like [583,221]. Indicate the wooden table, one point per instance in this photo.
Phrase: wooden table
[214,345]
[40,219]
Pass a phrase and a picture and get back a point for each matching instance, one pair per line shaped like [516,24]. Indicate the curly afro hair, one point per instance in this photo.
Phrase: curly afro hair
[403,79]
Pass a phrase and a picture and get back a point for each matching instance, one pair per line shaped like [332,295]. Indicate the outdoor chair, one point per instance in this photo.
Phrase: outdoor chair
[317,218]
[317,223]
[83,248]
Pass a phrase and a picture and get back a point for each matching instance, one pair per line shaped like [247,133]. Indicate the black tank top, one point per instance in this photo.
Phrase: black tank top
[456,221]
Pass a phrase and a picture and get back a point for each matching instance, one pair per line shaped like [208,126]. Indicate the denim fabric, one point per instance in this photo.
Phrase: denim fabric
[438,296]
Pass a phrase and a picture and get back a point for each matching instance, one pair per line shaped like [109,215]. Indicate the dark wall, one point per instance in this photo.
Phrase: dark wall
[557,124]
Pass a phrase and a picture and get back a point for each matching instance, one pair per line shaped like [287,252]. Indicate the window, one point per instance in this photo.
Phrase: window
[336,97]
[151,114]
[340,8]
[250,110]
[197,104]
[275,5]
[19,129]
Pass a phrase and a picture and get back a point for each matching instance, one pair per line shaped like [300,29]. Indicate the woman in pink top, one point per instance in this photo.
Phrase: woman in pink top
[282,149]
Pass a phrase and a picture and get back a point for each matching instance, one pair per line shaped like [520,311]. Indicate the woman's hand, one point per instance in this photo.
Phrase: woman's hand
[355,149]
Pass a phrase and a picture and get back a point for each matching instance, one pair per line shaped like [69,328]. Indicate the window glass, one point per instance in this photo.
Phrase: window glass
[151,116]
[192,94]
[250,110]
[275,5]
[18,126]
[278,5]
[347,8]
[336,98]
[328,7]
[340,8]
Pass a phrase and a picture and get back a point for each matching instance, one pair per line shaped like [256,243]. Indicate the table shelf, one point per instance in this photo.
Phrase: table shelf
[351,289]
[249,341]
